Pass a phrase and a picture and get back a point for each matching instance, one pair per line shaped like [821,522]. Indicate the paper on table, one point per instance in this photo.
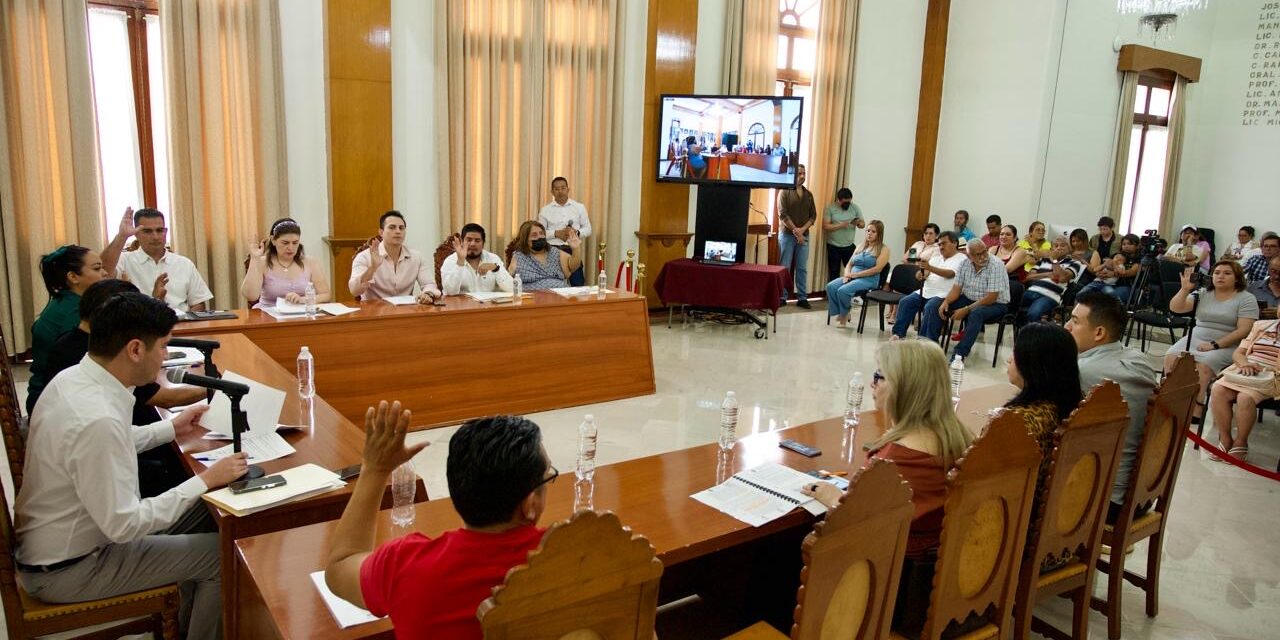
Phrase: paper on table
[280,315]
[488,296]
[190,357]
[760,495]
[300,482]
[262,404]
[290,308]
[344,613]
[401,300]
[337,309]
[576,292]
[261,447]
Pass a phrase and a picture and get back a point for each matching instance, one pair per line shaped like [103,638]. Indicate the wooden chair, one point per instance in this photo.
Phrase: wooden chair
[12,424]
[25,617]
[590,578]
[1155,471]
[852,562]
[511,249]
[442,253]
[1072,512]
[984,531]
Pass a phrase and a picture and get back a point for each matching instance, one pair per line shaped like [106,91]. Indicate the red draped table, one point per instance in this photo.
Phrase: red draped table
[740,287]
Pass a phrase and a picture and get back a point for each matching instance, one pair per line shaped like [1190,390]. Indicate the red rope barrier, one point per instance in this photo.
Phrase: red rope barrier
[1225,457]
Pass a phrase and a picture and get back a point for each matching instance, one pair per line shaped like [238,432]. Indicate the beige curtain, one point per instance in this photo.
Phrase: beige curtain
[1177,131]
[530,91]
[1124,133]
[222,69]
[750,67]
[831,123]
[49,188]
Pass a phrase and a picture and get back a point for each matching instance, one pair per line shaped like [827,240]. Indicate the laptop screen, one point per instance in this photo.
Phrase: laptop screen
[720,251]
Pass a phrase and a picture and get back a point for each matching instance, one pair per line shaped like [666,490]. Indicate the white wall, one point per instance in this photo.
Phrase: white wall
[635,26]
[415,182]
[306,130]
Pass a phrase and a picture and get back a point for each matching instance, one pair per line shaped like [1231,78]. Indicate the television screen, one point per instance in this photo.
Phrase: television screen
[720,252]
[749,141]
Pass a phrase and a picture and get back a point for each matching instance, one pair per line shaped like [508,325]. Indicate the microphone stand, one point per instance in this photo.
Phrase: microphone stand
[240,424]
[211,370]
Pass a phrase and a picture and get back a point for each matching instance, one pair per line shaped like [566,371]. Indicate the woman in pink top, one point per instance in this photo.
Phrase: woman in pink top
[277,268]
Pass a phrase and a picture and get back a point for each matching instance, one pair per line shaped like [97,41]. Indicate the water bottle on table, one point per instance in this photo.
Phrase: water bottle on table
[517,288]
[586,468]
[728,421]
[309,297]
[601,280]
[957,378]
[853,401]
[306,373]
[404,486]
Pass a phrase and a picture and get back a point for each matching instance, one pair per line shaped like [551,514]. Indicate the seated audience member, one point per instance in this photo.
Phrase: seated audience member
[1255,268]
[497,471]
[693,151]
[938,274]
[1013,257]
[860,275]
[1243,247]
[1224,315]
[840,222]
[471,268]
[1253,377]
[562,216]
[1034,244]
[1097,325]
[992,237]
[540,265]
[1115,274]
[1189,250]
[388,268]
[159,469]
[922,251]
[961,221]
[278,268]
[83,533]
[1049,281]
[979,295]
[1104,240]
[155,269]
[67,272]
[1267,291]
[1084,254]
[924,438]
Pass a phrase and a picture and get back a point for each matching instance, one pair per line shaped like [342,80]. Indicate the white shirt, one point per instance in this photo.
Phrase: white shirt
[456,279]
[393,279]
[556,216]
[936,285]
[186,286]
[80,491]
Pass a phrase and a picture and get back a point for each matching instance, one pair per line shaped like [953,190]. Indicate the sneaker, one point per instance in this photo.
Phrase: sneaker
[856,302]
[803,304]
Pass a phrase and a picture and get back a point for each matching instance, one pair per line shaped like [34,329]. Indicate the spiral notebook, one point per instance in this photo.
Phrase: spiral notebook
[761,494]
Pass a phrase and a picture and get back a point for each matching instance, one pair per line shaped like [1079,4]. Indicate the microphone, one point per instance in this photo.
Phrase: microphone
[195,343]
[182,376]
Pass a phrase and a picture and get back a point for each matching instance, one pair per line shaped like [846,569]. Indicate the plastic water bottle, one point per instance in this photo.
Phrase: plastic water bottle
[306,373]
[728,421]
[601,280]
[404,487]
[517,288]
[853,401]
[957,377]
[587,448]
[309,296]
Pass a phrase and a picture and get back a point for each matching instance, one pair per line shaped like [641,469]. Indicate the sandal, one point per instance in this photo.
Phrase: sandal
[1214,457]
[1239,453]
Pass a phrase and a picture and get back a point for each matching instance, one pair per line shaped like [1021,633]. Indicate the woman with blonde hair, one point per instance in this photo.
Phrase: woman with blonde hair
[861,274]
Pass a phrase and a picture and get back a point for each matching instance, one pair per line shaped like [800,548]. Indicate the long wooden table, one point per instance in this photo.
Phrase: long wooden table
[465,359]
[650,495]
[332,442]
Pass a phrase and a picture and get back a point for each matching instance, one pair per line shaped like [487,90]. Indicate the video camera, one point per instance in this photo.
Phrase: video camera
[1151,244]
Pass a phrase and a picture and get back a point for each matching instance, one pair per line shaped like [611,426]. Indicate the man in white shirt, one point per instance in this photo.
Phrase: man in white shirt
[167,275]
[562,214]
[83,532]
[471,268]
[939,275]
[388,269]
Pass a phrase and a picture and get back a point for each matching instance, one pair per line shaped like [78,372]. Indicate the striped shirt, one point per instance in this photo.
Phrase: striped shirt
[1046,286]
[1265,350]
[975,283]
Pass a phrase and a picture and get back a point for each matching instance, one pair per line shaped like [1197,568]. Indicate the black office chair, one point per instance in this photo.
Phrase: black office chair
[1158,316]
[1010,318]
[902,282]
[884,277]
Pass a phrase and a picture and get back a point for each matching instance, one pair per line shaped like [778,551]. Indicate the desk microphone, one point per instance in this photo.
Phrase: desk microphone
[182,376]
[194,343]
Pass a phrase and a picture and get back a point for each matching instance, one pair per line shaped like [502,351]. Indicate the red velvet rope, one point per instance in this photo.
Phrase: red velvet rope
[1231,459]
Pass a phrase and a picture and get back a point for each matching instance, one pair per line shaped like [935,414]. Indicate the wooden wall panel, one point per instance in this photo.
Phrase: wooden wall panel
[932,69]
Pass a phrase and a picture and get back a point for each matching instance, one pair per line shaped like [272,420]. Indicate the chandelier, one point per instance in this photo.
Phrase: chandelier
[1159,17]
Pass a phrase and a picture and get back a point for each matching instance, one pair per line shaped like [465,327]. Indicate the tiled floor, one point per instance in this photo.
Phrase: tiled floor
[1221,567]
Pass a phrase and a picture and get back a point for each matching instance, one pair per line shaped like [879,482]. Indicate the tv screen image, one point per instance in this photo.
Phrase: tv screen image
[720,252]
[749,141]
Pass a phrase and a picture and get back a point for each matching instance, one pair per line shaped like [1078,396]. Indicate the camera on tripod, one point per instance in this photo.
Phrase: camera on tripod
[1151,244]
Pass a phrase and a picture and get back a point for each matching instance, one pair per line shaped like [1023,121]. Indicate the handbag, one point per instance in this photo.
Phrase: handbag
[1263,382]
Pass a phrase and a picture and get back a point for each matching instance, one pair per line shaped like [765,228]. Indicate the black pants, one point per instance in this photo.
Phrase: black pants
[837,258]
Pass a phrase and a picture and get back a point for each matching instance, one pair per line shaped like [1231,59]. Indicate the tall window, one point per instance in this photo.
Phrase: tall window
[797,53]
[129,103]
[1148,153]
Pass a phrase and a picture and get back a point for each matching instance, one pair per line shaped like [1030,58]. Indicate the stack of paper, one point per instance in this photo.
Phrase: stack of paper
[577,292]
[760,495]
[337,309]
[344,613]
[489,296]
[258,447]
[300,482]
[400,301]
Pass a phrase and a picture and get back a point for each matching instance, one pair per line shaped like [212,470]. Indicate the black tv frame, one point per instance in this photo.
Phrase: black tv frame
[727,183]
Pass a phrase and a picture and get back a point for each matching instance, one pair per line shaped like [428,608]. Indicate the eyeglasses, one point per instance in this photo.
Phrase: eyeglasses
[877,378]
[555,473]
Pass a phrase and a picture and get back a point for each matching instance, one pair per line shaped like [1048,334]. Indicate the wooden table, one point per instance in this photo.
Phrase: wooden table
[650,495]
[465,359]
[332,442]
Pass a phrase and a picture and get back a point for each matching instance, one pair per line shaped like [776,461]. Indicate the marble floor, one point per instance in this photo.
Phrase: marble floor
[1221,571]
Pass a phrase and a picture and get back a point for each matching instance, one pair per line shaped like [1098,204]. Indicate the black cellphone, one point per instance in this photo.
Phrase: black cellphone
[347,473]
[257,484]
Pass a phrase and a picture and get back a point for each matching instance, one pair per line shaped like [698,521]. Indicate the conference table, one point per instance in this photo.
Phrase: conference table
[331,441]
[650,495]
[465,359]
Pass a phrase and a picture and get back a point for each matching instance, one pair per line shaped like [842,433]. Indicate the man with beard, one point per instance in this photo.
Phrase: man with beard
[471,268]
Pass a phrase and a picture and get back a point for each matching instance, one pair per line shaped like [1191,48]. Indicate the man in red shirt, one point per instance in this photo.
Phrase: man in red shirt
[497,471]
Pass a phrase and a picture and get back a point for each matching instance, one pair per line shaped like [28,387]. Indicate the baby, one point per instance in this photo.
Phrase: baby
[1110,267]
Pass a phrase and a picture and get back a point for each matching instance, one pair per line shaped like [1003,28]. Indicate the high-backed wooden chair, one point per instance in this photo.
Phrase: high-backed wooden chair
[590,578]
[442,253]
[12,425]
[1072,510]
[1155,471]
[511,249]
[984,532]
[852,562]
[25,617]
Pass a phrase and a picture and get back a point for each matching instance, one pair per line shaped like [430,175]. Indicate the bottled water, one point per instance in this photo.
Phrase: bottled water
[957,378]
[601,280]
[404,486]
[306,373]
[309,297]
[853,401]
[517,288]
[728,421]
[587,448]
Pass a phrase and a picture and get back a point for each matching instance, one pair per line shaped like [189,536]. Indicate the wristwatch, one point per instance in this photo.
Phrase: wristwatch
[1215,344]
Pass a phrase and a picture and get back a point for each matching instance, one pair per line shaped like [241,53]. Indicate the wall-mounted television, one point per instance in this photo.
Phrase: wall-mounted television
[747,141]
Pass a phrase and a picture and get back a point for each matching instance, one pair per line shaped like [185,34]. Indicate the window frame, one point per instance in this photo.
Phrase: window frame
[1146,120]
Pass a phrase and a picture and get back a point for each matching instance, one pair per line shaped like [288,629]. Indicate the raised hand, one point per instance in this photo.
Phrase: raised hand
[375,257]
[257,247]
[161,288]
[384,431]
[127,227]
[455,243]
[1185,277]
[574,240]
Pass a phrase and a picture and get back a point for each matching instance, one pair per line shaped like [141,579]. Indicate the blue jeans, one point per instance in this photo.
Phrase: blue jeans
[792,250]
[1038,305]
[973,323]
[1122,293]
[908,307]
[840,293]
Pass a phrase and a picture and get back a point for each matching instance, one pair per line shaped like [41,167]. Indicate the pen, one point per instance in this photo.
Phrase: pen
[833,473]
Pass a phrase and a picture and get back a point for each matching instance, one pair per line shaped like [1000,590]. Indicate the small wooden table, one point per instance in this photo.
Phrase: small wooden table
[465,359]
[650,495]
